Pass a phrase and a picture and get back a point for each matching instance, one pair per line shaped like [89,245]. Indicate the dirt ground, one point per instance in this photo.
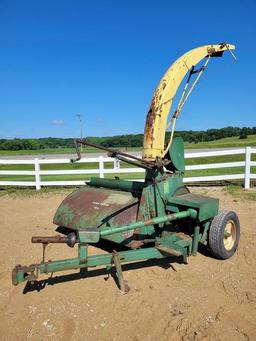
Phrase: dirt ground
[207,299]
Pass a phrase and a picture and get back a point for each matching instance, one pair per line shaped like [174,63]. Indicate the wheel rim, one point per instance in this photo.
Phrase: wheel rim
[229,235]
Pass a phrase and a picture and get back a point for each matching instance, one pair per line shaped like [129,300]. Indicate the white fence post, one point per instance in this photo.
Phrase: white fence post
[247,171]
[37,175]
[116,163]
[101,166]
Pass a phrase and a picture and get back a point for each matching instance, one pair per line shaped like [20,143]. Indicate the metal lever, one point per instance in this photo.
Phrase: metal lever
[116,153]
[77,151]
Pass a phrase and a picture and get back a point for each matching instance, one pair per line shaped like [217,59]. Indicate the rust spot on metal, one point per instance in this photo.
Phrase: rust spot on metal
[151,116]
[143,208]
[164,84]
[149,222]
[135,244]
[154,110]
[48,240]
[183,236]
[211,50]
[127,215]
[176,113]
[97,208]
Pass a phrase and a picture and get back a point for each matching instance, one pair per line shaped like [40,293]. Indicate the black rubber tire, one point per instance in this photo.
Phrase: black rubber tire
[216,234]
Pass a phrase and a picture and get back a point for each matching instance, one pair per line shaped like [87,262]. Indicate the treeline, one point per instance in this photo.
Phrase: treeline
[130,140]
[34,144]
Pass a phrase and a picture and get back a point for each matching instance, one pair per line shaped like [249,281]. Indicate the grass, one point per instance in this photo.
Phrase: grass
[61,151]
[238,193]
[31,192]
[228,142]
[131,176]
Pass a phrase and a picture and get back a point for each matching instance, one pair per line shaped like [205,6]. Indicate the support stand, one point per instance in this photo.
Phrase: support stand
[123,285]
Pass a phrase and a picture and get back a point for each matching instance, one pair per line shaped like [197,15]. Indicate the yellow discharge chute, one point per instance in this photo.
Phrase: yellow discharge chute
[156,123]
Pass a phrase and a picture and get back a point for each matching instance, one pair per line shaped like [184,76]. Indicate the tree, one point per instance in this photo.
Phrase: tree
[242,136]
[243,133]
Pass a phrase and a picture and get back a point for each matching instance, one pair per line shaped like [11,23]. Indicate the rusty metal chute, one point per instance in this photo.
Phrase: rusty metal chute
[156,122]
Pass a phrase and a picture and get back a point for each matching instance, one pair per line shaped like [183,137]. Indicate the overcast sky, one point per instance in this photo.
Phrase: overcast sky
[104,59]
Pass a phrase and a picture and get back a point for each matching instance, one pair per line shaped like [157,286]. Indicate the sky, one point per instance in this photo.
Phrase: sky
[105,58]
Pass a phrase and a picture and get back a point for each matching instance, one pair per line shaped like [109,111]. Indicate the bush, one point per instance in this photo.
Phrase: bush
[242,136]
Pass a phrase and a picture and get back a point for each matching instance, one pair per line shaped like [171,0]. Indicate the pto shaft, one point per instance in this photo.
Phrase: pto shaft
[154,221]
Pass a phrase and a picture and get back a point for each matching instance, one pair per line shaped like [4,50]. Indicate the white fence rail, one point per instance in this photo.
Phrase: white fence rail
[246,176]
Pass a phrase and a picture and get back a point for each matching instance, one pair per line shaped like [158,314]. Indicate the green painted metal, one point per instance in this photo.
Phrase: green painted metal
[206,227]
[175,243]
[90,207]
[176,155]
[159,210]
[129,186]
[21,274]
[171,243]
[207,207]
[82,253]
[153,221]
[94,235]
[89,235]
[196,239]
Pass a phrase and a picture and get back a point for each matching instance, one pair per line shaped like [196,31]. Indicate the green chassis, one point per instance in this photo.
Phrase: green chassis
[169,221]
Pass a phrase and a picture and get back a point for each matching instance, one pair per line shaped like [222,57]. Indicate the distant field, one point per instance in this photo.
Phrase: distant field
[60,151]
[227,142]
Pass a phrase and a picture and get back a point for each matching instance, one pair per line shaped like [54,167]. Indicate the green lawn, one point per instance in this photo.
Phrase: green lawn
[109,165]
[62,151]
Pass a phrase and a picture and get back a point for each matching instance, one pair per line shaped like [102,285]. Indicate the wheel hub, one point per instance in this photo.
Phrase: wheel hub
[229,235]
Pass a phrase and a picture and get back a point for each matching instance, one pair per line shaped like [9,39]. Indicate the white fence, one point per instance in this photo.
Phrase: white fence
[246,176]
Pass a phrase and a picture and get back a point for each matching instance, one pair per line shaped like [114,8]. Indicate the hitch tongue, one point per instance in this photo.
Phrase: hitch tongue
[24,273]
